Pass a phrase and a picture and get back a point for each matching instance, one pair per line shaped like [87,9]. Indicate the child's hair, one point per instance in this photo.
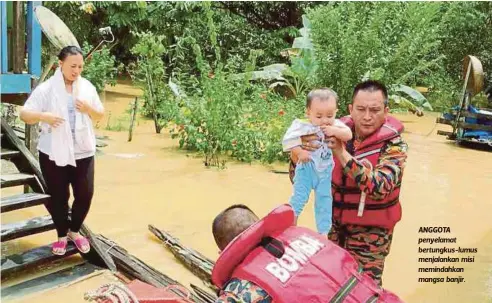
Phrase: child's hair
[322,94]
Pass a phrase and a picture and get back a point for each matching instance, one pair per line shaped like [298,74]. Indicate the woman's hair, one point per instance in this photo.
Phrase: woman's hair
[69,51]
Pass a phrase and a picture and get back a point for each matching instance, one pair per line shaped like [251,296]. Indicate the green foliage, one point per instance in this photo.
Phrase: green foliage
[298,76]
[149,73]
[466,31]
[175,21]
[396,43]
[241,120]
[301,73]
[232,117]
[100,68]
[229,77]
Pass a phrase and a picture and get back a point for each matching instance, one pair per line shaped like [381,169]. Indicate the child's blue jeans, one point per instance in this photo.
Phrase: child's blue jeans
[307,178]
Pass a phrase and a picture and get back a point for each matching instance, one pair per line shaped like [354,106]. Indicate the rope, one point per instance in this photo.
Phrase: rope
[432,130]
[113,244]
[115,293]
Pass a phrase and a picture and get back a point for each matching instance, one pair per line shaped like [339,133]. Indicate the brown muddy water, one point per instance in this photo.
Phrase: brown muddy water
[150,181]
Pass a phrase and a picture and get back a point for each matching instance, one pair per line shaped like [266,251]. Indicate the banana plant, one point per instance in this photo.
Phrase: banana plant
[413,100]
[416,103]
[296,76]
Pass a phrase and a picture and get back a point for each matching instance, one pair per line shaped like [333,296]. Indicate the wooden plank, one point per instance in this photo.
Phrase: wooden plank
[50,281]
[15,83]
[20,201]
[450,135]
[197,263]
[20,133]
[27,162]
[444,121]
[97,249]
[135,268]
[206,296]
[444,133]
[16,99]
[11,180]
[29,259]
[25,228]
[7,154]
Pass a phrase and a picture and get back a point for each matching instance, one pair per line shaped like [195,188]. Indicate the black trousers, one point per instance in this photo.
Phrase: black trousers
[58,179]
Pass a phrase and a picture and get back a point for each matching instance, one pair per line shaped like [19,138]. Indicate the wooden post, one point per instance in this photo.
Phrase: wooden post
[18,37]
[134,117]
[32,139]
[31,142]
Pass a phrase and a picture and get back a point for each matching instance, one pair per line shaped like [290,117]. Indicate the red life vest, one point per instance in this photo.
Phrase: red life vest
[295,264]
[350,206]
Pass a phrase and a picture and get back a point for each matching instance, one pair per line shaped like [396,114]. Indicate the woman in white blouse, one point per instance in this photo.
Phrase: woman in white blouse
[65,106]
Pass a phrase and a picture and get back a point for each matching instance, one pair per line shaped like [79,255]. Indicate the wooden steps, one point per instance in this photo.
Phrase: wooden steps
[26,228]
[56,279]
[14,150]
[7,154]
[11,180]
[20,201]
[32,258]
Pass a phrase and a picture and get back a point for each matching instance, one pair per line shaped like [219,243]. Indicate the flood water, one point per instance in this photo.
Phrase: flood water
[151,181]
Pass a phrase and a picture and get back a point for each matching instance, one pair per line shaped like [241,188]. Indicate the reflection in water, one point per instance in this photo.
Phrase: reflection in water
[444,185]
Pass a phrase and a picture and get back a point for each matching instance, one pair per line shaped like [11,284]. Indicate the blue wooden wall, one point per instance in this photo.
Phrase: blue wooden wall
[20,83]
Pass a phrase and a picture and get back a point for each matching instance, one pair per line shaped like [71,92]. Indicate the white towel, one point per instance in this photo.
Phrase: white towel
[62,150]
[62,144]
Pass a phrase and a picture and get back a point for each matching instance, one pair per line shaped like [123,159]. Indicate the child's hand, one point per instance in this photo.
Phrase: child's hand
[330,130]
[304,156]
[340,132]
